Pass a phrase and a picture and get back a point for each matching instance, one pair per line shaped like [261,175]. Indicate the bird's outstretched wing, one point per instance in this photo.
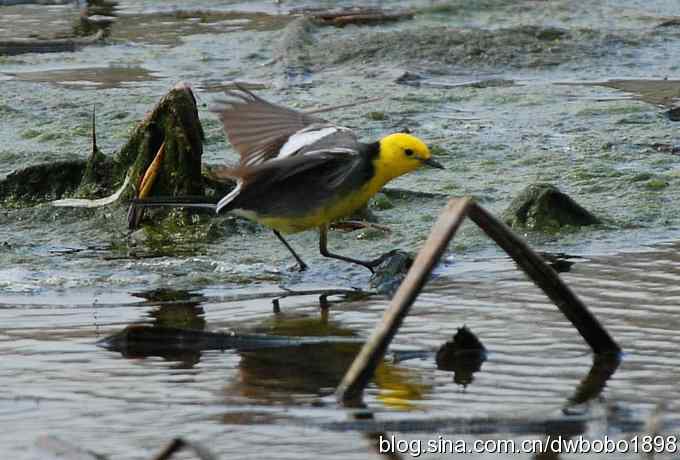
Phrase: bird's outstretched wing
[299,185]
[259,129]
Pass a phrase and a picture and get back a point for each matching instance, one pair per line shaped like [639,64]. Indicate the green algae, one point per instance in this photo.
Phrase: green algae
[376,116]
[30,133]
[657,184]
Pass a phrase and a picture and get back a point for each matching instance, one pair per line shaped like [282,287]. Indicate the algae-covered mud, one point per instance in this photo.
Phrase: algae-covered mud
[577,95]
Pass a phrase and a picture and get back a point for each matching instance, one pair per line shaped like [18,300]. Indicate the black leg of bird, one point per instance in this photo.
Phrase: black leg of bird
[323,249]
[302,266]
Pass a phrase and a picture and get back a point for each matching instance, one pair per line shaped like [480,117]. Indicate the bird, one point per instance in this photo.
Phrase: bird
[298,171]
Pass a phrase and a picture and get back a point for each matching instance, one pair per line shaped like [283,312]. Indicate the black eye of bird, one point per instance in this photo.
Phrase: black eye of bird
[408,152]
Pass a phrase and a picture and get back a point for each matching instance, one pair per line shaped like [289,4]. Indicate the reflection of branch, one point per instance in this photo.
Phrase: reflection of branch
[343,17]
[286,292]
[374,439]
[604,366]
[328,292]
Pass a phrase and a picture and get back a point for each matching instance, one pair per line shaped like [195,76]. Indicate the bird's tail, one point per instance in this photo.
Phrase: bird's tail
[188,201]
[200,202]
[138,204]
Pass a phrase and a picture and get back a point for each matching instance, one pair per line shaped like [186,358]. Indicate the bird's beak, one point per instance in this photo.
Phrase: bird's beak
[433,163]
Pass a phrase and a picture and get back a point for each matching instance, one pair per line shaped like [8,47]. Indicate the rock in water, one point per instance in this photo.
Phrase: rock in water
[391,271]
[544,208]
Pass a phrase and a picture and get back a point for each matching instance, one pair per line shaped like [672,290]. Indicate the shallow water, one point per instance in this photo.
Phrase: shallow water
[57,381]
[503,118]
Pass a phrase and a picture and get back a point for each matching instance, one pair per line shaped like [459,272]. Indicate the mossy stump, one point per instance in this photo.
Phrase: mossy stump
[173,122]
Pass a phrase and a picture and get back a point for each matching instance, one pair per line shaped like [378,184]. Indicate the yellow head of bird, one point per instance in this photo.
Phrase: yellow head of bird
[402,153]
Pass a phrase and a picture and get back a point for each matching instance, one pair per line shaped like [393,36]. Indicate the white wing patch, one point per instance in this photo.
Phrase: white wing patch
[333,150]
[305,138]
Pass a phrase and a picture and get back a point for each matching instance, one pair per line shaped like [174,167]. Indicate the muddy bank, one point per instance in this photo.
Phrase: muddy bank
[57,45]
[524,46]
[659,92]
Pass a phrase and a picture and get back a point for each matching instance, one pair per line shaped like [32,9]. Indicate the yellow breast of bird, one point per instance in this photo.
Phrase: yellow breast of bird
[339,207]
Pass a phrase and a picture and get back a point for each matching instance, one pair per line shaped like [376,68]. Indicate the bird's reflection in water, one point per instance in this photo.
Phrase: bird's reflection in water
[290,373]
[286,358]
[309,372]
[400,387]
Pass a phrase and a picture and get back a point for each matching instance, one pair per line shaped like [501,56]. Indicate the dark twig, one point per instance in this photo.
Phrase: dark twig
[94,133]
[547,279]
[178,444]
[170,449]
[363,367]
[342,17]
